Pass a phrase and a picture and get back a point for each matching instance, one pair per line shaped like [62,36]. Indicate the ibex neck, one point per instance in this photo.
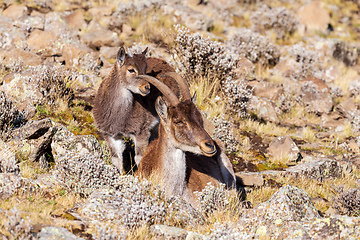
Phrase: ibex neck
[173,166]
[174,172]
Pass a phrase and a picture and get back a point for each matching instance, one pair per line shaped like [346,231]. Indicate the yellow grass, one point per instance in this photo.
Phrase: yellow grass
[263,128]
[208,99]
[308,134]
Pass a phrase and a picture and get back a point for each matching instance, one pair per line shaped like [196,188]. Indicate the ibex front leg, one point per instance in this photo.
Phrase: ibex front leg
[117,147]
[141,143]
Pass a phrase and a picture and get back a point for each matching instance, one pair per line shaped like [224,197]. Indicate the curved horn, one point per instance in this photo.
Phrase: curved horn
[163,88]
[182,84]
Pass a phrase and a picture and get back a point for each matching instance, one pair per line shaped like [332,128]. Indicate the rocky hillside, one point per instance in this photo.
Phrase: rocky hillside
[279,82]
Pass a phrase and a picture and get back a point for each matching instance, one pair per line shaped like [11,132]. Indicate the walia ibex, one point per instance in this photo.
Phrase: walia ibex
[124,105]
[184,156]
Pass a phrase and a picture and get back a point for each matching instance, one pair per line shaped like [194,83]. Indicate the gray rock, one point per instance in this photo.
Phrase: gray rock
[313,17]
[250,179]
[44,43]
[190,18]
[65,142]
[15,11]
[263,109]
[29,23]
[284,147]
[56,233]
[333,121]
[108,52]
[266,90]
[96,39]
[315,95]
[18,58]
[32,130]
[289,203]
[348,108]
[318,169]
[166,232]
[76,20]
[34,139]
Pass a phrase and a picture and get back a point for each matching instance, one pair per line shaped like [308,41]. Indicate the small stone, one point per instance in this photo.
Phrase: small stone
[166,232]
[15,11]
[100,38]
[313,17]
[76,20]
[250,179]
[57,233]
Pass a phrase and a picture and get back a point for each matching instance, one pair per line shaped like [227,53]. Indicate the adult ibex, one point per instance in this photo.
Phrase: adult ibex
[124,105]
[184,156]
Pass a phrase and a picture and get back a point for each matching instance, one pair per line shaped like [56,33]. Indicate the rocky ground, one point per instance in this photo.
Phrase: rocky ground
[278,80]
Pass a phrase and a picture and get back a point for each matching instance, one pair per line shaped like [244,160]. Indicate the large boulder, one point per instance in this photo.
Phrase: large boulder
[44,43]
[289,203]
[34,139]
[282,147]
[66,143]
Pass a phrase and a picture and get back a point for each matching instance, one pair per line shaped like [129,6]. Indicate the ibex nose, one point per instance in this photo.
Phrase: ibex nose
[145,89]
[208,148]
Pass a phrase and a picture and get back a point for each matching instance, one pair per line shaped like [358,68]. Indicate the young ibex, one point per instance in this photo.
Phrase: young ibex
[184,156]
[124,106]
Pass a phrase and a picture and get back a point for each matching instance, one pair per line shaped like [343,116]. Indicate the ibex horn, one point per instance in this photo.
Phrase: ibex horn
[182,84]
[163,88]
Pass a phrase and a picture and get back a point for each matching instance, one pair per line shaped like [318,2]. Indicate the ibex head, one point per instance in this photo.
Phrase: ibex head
[127,67]
[182,120]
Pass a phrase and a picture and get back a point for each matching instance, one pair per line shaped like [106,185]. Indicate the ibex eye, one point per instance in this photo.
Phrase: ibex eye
[131,70]
[179,123]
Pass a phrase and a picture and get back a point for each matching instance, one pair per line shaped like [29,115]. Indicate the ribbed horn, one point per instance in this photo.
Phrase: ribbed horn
[182,84]
[163,88]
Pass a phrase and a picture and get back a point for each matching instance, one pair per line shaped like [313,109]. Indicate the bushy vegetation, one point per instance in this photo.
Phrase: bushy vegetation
[347,202]
[255,47]
[195,55]
[9,116]
[281,20]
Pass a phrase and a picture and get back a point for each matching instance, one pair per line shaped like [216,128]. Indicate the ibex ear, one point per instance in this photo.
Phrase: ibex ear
[161,108]
[120,57]
[145,51]
[193,99]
